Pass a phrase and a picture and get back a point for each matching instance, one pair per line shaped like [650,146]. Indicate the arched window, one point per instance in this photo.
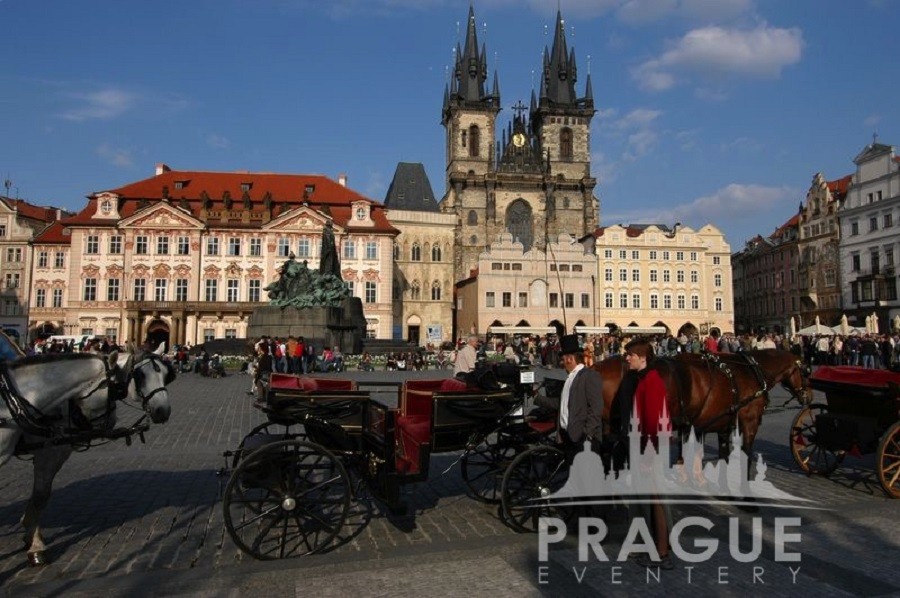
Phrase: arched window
[416,253]
[565,144]
[436,291]
[436,253]
[473,141]
[519,223]
[472,218]
[415,291]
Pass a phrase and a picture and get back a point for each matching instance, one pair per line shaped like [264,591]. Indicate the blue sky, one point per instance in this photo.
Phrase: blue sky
[716,111]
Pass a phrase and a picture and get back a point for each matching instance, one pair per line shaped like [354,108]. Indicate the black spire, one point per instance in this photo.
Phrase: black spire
[468,82]
[558,85]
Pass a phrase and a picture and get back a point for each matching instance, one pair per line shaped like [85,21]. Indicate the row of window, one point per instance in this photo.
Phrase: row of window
[415,291]
[654,276]
[680,301]
[415,253]
[506,299]
[161,291]
[887,221]
[182,245]
[874,259]
[654,254]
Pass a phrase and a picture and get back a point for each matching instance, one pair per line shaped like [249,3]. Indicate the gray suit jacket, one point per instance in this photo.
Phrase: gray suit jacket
[585,406]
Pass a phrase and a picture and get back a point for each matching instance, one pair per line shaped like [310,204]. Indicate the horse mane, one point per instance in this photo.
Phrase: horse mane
[52,358]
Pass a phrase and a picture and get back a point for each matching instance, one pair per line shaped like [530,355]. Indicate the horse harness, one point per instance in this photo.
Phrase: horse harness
[81,430]
[737,403]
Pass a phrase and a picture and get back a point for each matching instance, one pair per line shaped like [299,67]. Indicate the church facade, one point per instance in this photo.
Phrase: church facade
[530,179]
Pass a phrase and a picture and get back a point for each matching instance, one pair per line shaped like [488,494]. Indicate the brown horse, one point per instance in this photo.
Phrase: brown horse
[708,392]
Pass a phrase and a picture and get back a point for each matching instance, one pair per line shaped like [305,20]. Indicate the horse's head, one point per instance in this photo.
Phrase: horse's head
[797,382]
[151,374]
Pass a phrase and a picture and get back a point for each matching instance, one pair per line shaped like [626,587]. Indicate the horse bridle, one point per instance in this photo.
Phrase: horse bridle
[155,361]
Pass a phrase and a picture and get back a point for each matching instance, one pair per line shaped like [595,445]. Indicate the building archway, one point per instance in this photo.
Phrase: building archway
[413,329]
[613,327]
[560,327]
[158,332]
[688,329]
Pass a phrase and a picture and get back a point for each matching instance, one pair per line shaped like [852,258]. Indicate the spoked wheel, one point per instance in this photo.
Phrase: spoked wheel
[533,476]
[265,432]
[888,461]
[806,447]
[483,466]
[287,499]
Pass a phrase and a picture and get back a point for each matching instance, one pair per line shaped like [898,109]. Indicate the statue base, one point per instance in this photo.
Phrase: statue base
[343,326]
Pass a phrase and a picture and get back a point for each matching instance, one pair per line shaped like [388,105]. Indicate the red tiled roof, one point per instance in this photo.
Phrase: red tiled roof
[27,210]
[286,192]
[54,235]
[839,187]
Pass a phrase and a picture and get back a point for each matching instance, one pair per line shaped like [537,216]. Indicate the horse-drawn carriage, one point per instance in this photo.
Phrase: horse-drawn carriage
[861,416]
[295,475]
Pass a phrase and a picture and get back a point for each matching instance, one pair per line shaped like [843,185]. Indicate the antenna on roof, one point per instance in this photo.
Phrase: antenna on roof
[874,137]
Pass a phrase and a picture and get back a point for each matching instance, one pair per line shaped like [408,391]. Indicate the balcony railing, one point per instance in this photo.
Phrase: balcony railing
[193,305]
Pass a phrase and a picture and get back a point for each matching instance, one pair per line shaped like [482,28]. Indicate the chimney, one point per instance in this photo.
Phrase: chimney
[342,180]
[161,168]
[58,214]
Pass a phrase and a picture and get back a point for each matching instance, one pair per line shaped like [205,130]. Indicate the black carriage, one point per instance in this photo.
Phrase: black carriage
[861,416]
[294,476]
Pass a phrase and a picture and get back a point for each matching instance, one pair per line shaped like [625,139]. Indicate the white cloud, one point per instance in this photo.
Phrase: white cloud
[114,155]
[639,118]
[101,104]
[725,208]
[762,52]
[635,132]
[216,141]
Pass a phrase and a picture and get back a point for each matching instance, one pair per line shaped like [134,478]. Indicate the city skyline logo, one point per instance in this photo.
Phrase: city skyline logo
[651,477]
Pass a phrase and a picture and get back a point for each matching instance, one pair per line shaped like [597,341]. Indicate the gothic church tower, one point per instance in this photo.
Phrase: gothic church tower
[535,181]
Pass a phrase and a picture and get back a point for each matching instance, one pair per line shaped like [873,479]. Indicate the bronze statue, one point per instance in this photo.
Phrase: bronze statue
[301,287]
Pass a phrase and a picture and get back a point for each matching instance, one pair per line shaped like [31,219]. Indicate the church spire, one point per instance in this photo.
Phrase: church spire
[469,78]
[559,69]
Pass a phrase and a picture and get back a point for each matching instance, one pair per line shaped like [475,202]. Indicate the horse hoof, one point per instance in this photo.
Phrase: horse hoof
[36,559]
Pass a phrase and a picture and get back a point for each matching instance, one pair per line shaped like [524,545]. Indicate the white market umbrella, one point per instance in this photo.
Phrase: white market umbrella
[816,330]
[818,323]
[897,322]
[793,327]
[845,325]
[868,324]
[874,323]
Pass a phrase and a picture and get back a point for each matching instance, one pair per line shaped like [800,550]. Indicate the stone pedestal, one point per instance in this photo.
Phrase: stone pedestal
[343,326]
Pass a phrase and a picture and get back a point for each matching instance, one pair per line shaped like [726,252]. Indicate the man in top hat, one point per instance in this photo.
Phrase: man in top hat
[581,404]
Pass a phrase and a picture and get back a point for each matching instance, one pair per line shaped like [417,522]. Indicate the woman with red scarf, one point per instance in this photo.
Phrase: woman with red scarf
[649,400]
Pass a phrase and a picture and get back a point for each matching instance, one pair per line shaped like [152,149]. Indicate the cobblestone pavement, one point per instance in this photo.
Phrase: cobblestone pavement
[147,520]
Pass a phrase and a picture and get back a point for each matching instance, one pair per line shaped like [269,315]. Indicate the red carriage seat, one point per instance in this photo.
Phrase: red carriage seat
[414,420]
[307,383]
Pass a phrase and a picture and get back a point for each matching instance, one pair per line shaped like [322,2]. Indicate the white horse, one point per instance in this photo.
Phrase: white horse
[51,404]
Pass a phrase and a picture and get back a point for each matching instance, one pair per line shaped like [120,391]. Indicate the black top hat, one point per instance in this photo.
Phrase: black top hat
[569,344]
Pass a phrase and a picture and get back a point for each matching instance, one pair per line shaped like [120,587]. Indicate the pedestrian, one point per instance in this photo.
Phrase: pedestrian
[264,367]
[649,403]
[467,357]
[580,406]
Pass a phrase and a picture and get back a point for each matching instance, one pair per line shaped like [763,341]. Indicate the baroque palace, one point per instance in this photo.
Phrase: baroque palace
[185,256]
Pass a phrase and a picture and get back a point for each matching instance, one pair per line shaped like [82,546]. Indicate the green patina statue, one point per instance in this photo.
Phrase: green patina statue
[300,287]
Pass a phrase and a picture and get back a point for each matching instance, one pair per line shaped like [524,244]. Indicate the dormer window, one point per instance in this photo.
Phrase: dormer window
[360,213]
[246,187]
[309,189]
[180,184]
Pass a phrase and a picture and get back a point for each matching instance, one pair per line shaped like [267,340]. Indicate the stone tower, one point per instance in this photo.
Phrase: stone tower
[535,180]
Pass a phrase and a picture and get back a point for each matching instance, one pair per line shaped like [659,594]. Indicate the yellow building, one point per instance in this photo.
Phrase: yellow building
[650,277]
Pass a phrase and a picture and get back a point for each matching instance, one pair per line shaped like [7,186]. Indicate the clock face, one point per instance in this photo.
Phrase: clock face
[518,140]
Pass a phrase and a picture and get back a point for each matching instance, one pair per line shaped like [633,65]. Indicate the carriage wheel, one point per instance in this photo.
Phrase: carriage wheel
[888,461]
[535,474]
[809,454]
[287,499]
[275,430]
[483,466]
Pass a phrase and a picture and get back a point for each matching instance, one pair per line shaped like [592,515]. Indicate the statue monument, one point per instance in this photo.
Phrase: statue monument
[314,304]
